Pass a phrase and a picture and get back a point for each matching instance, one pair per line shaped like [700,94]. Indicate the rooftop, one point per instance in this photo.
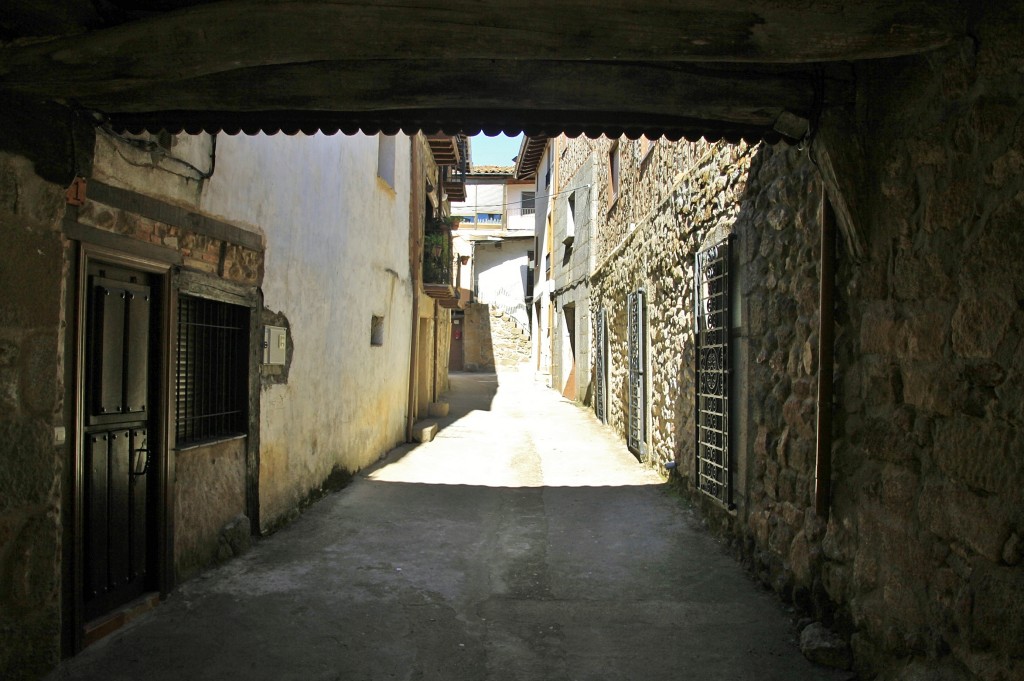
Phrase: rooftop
[491,170]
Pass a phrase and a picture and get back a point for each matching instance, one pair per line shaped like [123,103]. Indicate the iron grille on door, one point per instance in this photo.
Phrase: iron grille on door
[637,433]
[711,297]
[212,370]
[601,368]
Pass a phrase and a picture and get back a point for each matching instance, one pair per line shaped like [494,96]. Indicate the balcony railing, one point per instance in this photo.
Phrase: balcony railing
[517,212]
[437,257]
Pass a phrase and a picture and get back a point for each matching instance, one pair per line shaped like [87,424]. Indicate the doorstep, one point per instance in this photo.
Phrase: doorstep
[104,625]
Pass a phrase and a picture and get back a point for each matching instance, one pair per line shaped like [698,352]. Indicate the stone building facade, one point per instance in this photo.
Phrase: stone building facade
[200,238]
[573,208]
[917,558]
[495,239]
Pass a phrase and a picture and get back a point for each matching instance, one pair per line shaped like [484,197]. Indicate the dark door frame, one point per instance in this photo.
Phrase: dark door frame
[163,463]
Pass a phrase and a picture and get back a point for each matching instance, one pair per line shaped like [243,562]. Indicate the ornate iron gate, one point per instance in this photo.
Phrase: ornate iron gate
[601,368]
[637,434]
[711,298]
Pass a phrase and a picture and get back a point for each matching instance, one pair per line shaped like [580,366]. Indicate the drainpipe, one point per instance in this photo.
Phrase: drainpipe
[416,211]
[826,332]
[437,340]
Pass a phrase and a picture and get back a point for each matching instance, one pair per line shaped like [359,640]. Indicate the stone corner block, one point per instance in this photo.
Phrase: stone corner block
[824,647]
[424,431]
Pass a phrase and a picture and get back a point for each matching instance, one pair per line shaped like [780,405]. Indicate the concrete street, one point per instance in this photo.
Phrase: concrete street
[524,542]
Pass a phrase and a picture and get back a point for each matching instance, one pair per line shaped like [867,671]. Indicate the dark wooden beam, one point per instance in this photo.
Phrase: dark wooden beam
[739,95]
[237,35]
[492,121]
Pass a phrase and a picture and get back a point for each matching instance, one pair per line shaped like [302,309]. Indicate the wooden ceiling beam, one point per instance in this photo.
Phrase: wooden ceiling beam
[237,36]
[736,94]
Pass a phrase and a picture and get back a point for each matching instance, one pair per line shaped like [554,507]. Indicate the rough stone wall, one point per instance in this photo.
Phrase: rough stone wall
[776,257]
[32,468]
[646,179]
[493,339]
[198,251]
[920,563]
[685,208]
[924,545]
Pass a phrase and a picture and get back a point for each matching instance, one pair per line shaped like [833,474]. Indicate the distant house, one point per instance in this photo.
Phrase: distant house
[495,238]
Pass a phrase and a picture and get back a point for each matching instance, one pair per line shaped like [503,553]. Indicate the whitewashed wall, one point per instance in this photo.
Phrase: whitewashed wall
[337,254]
[518,216]
[501,276]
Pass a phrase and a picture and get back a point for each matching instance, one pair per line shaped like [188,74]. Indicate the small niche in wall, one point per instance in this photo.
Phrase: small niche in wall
[376,330]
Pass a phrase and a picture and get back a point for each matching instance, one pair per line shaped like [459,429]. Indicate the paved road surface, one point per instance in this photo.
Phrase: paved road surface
[524,542]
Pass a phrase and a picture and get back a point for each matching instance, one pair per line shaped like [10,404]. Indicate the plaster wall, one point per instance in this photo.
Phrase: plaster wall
[574,210]
[501,272]
[337,254]
[170,166]
[485,202]
[541,332]
[518,217]
[210,482]
[210,479]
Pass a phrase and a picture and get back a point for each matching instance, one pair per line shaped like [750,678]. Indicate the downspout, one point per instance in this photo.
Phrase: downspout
[826,361]
[416,212]
[437,340]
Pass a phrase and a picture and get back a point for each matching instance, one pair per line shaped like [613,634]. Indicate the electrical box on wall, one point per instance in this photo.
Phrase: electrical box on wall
[275,344]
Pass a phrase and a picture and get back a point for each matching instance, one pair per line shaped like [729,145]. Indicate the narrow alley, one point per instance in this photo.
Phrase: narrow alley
[524,542]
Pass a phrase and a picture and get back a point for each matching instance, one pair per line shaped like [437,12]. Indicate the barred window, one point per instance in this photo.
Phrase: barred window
[211,387]
[711,298]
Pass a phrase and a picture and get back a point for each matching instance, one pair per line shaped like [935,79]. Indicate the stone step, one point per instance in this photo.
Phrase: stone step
[424,431]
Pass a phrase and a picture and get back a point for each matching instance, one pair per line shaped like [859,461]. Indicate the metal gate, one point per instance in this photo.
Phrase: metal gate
[637,434]
[711,298]
[601,368]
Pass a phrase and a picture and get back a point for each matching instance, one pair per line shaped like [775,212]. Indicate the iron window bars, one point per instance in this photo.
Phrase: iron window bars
[211,386]
[636,328]
[711,299]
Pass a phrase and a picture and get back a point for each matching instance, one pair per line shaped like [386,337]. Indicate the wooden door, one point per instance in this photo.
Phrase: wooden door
[456,358]
[119,456]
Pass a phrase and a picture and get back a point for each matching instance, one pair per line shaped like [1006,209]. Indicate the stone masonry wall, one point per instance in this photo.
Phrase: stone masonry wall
[684,207]
[32,468]
[920,562]
[493,339]
[924,545]
[777,261]
[199,251]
